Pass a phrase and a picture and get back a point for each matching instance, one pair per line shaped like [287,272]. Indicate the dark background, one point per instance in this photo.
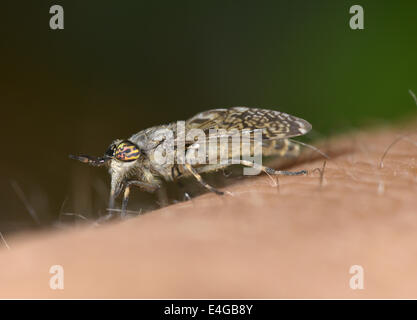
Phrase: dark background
[121,66]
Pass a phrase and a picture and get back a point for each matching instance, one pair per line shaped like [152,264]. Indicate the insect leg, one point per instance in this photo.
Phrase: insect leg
[149,187]
[125,200]
[200,179]
[272,171]
[111,200]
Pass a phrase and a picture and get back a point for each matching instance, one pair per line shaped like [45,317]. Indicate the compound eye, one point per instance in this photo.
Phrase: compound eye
[126,151]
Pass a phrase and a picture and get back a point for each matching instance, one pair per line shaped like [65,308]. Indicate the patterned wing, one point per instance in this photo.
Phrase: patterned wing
[275,124]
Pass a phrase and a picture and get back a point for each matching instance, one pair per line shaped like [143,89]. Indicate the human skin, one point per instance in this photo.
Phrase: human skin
[295,240]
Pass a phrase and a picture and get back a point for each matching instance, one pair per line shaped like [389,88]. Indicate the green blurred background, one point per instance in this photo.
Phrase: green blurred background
[121,66]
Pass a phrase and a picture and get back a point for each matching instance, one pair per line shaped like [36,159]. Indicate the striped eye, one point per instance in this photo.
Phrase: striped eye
[126,151]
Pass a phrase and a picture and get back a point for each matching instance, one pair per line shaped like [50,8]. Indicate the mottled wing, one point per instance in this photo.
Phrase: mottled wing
[275,124]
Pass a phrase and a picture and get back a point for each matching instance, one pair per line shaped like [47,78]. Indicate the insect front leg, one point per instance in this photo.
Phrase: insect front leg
[149,187]
[125,200]
[196,175]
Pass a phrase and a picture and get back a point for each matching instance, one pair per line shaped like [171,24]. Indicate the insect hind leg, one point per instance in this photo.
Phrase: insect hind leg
[267,170]
[272,171]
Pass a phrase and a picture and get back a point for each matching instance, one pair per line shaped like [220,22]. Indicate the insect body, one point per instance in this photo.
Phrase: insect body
[135,161]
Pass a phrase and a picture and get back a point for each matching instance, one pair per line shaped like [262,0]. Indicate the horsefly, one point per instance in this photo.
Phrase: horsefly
[209,141]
